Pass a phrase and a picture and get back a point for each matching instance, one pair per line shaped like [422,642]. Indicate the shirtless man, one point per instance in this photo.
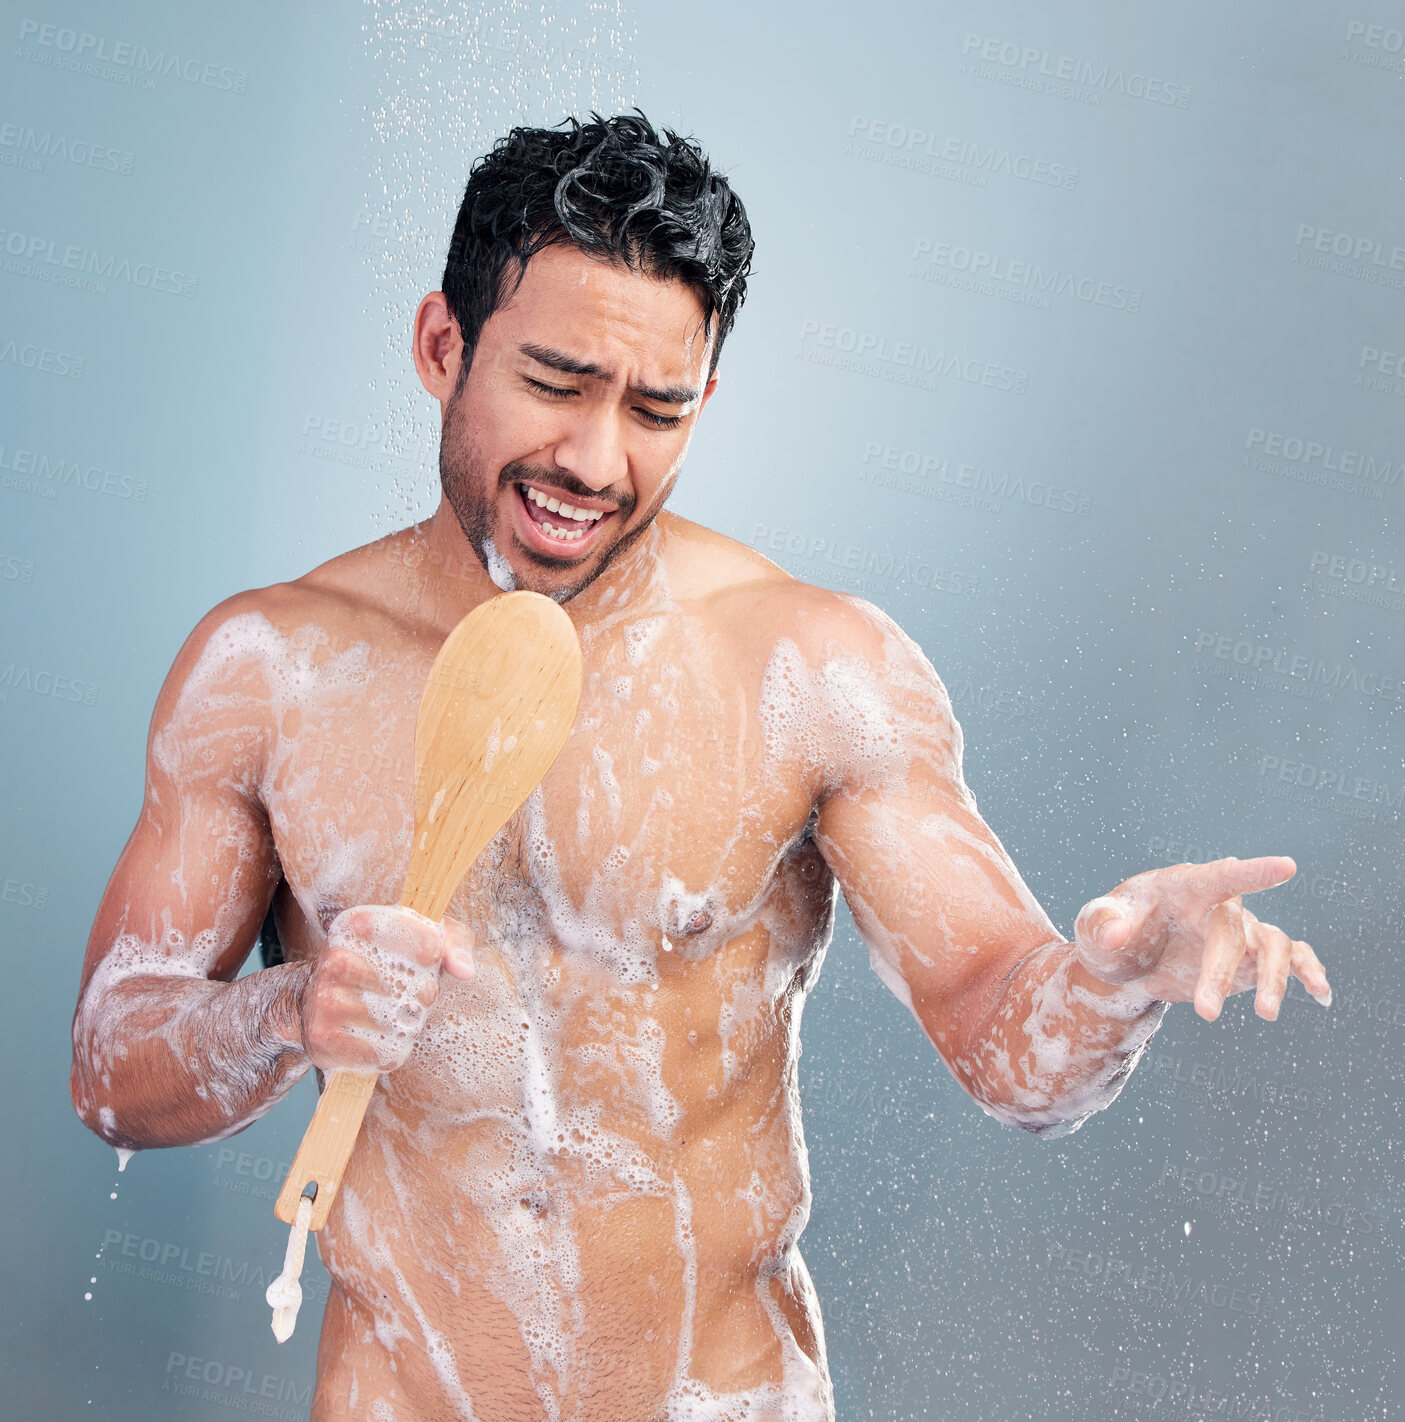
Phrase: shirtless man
[580,1185]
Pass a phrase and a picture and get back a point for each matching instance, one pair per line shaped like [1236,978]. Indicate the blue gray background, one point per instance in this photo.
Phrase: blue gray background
[1141,508]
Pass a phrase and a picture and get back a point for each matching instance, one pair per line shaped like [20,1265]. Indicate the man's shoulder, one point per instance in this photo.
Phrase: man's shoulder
[249,653]
[740,587]
[339,600]
[864,691]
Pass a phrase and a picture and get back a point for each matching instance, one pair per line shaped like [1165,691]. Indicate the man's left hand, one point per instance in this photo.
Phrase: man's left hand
[1181,934]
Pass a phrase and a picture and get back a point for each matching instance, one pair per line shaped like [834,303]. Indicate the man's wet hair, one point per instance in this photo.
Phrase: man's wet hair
[616,190]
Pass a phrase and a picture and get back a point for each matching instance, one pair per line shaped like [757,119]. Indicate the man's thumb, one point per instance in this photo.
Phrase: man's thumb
[458,949]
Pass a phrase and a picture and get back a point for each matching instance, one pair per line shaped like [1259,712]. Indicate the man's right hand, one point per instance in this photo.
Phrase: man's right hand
[370,992]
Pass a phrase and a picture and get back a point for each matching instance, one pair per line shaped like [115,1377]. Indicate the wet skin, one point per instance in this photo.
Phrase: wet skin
[580,1184]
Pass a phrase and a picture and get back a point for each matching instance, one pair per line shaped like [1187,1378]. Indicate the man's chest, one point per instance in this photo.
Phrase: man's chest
[659,829]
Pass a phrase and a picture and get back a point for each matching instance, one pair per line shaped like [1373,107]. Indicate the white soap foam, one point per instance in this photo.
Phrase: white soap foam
[499,569]
[386,937]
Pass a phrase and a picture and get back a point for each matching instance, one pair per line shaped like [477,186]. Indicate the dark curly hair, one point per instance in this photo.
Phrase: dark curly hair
[617,191]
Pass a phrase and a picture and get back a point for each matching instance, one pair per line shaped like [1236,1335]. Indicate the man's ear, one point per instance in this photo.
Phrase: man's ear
[438,347]
[707,391]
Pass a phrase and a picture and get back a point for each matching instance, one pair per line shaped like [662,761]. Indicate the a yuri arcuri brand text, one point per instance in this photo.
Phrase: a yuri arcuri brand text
[1032,61]
[64,47]
[951,261]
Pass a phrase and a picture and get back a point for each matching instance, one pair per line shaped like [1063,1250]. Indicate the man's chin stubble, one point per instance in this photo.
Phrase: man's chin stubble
[475,520]
[602,561]
[475,517]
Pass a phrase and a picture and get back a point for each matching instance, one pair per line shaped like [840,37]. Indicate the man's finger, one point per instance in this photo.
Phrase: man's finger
[1104,929]
[1104,923]
[1313,975]
[1226,878]
[1225,945]
[458,949]
[1273,951]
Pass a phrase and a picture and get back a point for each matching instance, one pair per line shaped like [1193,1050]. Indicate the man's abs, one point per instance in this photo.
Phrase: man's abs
[566,1205]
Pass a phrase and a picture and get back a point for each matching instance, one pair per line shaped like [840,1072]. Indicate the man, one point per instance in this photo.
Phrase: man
[580,1185]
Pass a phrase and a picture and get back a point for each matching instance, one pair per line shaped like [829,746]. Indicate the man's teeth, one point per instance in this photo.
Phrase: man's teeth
[562,535]
[554,505]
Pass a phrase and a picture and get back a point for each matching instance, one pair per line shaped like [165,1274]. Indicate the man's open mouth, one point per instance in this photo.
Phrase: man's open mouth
[555,524]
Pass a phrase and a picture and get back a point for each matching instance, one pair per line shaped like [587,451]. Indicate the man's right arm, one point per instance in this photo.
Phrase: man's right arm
[169,1048]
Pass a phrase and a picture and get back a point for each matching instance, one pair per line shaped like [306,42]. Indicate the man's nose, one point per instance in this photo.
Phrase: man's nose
[592,448]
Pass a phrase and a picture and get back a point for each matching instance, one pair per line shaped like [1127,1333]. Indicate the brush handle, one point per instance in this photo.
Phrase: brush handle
[327,1146]
[331,1135]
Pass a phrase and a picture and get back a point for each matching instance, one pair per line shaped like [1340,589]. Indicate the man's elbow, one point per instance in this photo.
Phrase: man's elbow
[1048,1104]
[1048,1123]
[1052,1130]
[98,1118]
[89,1091]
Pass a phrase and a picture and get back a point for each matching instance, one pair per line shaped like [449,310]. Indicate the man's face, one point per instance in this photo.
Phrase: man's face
[583,389]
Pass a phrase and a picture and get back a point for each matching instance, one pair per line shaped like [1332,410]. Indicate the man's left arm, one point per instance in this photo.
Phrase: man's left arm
[1041,1031]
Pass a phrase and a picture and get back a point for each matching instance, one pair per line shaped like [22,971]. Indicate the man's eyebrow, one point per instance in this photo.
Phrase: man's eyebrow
[559,360]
